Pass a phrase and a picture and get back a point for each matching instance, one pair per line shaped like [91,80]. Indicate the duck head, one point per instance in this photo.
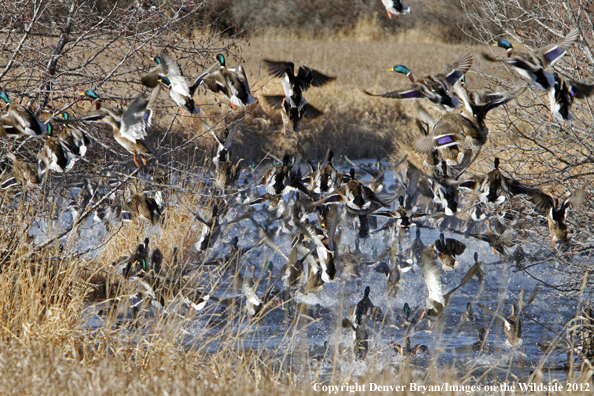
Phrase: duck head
[90,94]
[503,44]
[220,58]
[406,310]
[165,81]
[400,69]
[4,97]
[506,45]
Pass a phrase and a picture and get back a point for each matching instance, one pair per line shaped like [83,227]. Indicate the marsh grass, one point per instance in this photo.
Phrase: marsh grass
[50,345]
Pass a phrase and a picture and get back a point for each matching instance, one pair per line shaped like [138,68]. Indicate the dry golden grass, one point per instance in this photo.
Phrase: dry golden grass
[46,346]
[353,123]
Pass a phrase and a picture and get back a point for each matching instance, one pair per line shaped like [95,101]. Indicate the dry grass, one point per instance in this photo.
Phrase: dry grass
[353,123]
[47,346]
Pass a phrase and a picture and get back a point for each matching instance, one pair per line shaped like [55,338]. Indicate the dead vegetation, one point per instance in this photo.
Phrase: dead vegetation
[48,343]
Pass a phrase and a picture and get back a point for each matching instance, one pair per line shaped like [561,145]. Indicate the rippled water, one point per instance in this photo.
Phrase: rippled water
[300,331]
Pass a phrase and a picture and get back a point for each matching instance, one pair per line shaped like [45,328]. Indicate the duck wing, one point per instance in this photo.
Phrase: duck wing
[432,278]
[308,111]
[550,54]
[133,125]
[579,90]
[174,74]
[456,70]
[280,68]
[312,77]
[274,101]
[151,79]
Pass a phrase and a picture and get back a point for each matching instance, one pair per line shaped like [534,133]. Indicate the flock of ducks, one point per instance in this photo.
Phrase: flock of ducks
[314,208]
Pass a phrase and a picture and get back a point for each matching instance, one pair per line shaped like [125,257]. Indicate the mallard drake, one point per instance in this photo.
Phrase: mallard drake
[561,97]
[293,104]
[447,250]
[557,208]
[294,85]
[134,125]
[24,173]
[407,320]
[468,315]
[231,82]
[141,206]
[434,87]
[75,139]
[19,120]
[531,64]
[137,264]
[98,105]
[54,155]
[395,7]
[169,73]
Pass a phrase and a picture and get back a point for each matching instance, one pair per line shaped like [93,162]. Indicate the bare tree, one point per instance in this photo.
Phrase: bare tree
[52,50]
[559,157]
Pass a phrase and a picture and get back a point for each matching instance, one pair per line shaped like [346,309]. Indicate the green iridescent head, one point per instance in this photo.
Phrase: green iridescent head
[65,116]
[165,80]
[400,69]
[90,93]
[221,59]
[406,310]
[157,60]
[269,266]
[503,44]
[49,129]
[4,97]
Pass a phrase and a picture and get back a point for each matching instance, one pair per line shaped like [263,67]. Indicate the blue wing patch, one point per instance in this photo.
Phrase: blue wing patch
[410,95]
[554,54]
[444,140]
